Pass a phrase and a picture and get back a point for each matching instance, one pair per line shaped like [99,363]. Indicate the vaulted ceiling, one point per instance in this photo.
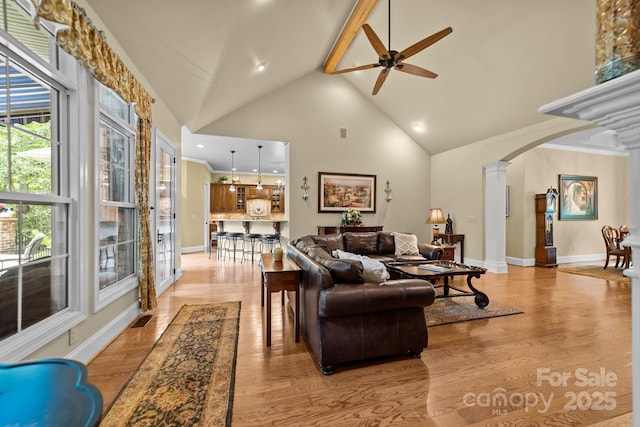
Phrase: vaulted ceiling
[503,60]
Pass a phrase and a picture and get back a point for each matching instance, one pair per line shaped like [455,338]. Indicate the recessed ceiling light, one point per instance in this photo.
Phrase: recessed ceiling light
[275,171]
[254,170]
[260,67]
[419,127]
[234,169]
[200,146]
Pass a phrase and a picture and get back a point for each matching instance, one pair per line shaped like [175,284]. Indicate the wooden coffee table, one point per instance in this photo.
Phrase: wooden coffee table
[433,271]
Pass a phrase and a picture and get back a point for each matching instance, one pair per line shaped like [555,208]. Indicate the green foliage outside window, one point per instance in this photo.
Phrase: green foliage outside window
[28,175]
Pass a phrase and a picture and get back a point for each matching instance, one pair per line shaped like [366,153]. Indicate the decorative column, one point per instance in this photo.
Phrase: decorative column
[618,38]
[495,211]
[615,105]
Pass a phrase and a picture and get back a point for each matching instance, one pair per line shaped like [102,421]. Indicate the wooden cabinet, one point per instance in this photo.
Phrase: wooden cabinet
[277,200]
[221,199]
[224,201]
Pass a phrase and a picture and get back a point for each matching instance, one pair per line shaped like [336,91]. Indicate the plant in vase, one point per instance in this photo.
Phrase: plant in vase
[351,217]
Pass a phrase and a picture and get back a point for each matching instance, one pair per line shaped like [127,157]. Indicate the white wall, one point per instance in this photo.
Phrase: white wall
[308,114]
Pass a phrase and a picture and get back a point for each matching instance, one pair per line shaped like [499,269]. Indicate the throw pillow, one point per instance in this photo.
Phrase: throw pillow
[406,244]
[343,270]
[374,270]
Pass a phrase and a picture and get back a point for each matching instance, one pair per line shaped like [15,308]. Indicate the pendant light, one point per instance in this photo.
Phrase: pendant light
[259,186]
[232,188]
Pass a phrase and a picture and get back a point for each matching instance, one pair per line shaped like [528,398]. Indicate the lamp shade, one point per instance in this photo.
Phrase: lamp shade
[435,217]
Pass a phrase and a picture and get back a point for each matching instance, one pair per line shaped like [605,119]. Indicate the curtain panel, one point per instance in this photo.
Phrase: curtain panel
[83,41]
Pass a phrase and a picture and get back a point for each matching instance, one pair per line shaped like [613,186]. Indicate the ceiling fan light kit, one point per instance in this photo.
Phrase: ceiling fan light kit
[392,59]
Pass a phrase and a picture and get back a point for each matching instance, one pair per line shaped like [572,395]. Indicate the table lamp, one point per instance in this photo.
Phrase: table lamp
[435,217]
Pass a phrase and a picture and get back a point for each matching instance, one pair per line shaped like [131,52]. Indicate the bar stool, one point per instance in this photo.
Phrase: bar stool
[250,243]
[232,239]
[269,242]
[222,238]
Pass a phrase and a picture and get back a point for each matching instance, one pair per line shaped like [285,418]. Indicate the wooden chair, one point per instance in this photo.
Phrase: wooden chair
[612,241]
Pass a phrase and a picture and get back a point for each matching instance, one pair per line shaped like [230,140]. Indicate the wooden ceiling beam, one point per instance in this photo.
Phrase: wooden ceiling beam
[358,17]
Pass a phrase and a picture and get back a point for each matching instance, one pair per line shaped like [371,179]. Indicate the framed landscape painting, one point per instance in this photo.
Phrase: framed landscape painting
[340,191]
[578,197]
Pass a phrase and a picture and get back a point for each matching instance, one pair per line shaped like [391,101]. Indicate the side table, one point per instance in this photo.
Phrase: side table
[452,239]
[279,276]
[449,252]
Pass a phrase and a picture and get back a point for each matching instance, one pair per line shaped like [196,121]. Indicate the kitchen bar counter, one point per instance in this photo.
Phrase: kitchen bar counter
[247,222]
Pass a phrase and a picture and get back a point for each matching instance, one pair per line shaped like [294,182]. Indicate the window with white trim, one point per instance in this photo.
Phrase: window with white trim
[116,205]
[35,202]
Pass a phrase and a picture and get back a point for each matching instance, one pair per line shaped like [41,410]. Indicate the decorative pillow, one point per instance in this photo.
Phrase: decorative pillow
[406,244]
[343,270]
[386,243]
[374,270]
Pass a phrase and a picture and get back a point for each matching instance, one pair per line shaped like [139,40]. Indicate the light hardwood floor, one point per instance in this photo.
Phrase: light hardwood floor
[573,325]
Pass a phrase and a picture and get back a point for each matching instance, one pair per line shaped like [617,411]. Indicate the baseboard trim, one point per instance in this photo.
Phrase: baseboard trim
[98,341]
[531,262]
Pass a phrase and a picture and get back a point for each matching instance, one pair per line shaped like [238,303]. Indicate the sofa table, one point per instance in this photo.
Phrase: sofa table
[279,276]
[337,229]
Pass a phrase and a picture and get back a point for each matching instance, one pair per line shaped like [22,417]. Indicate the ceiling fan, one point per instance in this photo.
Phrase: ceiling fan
[392,59]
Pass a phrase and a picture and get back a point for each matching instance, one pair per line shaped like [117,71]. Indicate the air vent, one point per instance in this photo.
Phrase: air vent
[142,321]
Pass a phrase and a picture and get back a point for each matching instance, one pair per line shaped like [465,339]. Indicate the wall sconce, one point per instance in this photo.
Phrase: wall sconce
[305,188]
[388,191]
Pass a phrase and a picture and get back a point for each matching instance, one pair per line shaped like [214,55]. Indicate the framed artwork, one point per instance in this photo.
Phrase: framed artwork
[578,197]
[340,191]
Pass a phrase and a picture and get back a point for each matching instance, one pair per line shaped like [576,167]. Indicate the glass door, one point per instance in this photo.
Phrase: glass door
[164,213]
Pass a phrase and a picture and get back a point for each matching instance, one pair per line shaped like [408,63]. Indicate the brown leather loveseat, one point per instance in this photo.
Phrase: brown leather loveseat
[345,318]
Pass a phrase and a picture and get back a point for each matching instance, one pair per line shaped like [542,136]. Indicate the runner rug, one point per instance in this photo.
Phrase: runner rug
[445,311]
[610,273]
[188,377]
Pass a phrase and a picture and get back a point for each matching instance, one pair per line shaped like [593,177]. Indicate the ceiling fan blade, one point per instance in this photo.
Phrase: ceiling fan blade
[422,44]
[375,42]
[418,71]
[381,78]
[361,67]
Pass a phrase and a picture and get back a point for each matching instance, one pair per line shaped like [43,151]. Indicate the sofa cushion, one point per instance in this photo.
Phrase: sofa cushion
[374,270]
[350,300]
[406,244]
[317,252]
[302,242]
[386,244]
[361,243]
[343,270]
[332,241]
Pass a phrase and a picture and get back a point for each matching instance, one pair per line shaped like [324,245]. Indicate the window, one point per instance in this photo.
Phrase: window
[35,202]
[117,210]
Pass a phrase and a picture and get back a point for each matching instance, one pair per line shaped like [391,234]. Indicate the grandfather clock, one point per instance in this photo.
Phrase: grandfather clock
[545,208]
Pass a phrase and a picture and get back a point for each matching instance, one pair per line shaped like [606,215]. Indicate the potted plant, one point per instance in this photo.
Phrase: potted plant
[223,179]
[351,217]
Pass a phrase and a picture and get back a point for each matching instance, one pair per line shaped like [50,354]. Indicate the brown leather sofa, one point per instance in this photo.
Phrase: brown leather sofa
[345,319]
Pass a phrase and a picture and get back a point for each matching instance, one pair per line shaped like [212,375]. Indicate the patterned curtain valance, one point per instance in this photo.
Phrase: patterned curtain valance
[84,42]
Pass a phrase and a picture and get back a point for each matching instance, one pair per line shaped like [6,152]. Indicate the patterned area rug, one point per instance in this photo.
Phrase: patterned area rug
[610,273]
[461,309]
[188,377]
